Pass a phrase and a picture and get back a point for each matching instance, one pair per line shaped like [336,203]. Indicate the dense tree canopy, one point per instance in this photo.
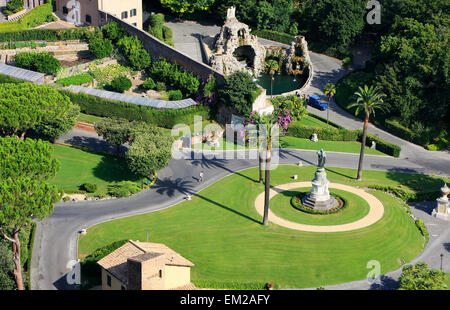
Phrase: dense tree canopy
[30,158]
[25,105]
[187,6]
[238,92]
[149,152]
[419,277]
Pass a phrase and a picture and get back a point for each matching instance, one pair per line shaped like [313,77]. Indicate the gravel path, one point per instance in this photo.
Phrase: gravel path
[375,213]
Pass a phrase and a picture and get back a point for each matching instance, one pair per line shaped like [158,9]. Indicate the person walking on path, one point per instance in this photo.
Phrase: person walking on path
[201,177]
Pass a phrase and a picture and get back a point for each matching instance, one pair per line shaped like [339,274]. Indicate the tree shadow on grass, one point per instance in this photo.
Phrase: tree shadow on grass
[341,174]
[171,187]
[419,183]
[205,163]
[114,169]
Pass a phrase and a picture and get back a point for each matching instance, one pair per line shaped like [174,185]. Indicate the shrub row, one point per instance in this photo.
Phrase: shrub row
[159,117]
[230,285]
[422,228]
[382,145]
[394,127]
[42,62]
[8,79]
[274,36]
[50,35]
[406,195]
[296,202]
[328,134]
[342,134]
[79,79]
[123,189]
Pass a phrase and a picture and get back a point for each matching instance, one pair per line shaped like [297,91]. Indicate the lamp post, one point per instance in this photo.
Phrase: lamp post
[442,256]
[271,87]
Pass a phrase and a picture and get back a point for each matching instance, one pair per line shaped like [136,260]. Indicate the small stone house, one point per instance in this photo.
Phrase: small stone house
[145,266]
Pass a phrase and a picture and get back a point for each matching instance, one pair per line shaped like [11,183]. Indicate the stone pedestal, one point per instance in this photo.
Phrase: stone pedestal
[442,210]
[319,198]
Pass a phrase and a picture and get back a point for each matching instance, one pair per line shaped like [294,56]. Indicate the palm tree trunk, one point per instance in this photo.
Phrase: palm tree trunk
[363,146]
[328,111]
[261,179]
[267,189]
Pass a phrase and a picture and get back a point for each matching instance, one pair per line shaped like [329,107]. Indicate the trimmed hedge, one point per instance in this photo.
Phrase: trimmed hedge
[397,129]
[328,134]
[50,35]
[408,196]
[8,79]
[342,134]
[382,145]
[423,229]
[297,203]
[159,117]
[43,62]
[230,285]
[274,36]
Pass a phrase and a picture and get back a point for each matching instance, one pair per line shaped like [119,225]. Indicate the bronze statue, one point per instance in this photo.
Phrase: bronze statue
[322,158]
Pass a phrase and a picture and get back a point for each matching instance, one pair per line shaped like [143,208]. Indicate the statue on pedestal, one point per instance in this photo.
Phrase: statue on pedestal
[322,159]
[442,209]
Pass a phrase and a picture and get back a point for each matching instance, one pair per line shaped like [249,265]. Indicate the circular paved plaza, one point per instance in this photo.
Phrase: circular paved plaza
[376,211]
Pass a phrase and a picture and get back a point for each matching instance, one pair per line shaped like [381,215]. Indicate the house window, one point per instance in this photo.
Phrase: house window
[134,24]
[133,12]
[108,280]
[124,14]
[88,19]
[160,273]
[65,10]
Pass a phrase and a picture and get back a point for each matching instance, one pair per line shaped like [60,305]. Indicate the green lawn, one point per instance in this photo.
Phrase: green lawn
[356,209]
[221,232]
[79,167]
[448,281]
[311,122]
[91,119]
[329,146]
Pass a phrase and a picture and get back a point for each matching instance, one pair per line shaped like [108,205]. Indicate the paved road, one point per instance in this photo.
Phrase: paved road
[57,237]
[326,69]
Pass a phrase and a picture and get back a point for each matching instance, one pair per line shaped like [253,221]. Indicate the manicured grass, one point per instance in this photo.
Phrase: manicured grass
[355,209]
[79,167]
[329,146]
[91,119]
[448,281]
[221,232]
[311,122]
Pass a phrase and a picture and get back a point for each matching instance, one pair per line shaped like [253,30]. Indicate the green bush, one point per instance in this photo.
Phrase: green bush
[79,33]
[114,31]
[406,195]
[161,86]
[148,84]
[274,35]
[89,187]
[121,84]
[296,202]
[133,50]
[100,48]
[230,285]
[123,189]
[8,79]
[166,118]
[38,61]
[175,95]
[382,145]
[172,75]
[423,229]
[66,198]
[79,79]
[13,7]
[327,134]
[394,127]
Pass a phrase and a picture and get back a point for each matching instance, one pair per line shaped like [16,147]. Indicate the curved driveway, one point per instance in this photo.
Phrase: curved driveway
[56,237]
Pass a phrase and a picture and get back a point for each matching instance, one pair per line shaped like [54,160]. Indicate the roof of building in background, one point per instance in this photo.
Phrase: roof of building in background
[22,74]
[116,262]
[154,103]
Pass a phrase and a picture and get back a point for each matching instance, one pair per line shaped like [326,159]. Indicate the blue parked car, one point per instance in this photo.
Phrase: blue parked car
[316,103]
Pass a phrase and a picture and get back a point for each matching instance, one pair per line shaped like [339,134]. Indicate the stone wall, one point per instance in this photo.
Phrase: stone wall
[157,49]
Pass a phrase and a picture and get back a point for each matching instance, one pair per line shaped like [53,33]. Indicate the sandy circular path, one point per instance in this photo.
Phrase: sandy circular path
[376,211]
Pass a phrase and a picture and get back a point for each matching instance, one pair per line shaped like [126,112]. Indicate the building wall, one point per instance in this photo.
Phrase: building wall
[115,283]
[176,276]
[114,7]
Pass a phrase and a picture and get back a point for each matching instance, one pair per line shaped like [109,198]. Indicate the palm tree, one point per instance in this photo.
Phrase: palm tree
[368,99]
[330,91]
[272,67]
